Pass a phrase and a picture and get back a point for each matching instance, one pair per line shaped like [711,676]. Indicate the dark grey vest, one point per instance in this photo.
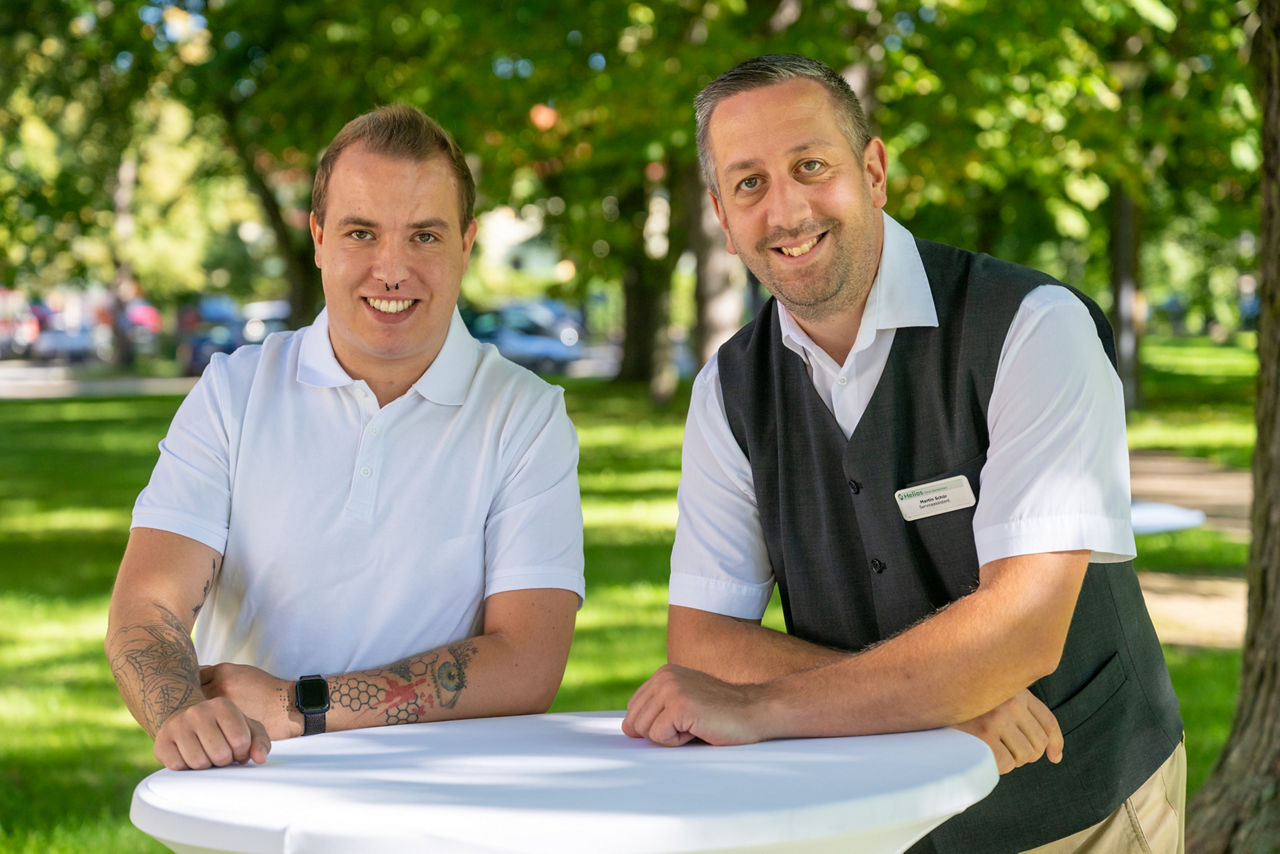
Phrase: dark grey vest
[850,571]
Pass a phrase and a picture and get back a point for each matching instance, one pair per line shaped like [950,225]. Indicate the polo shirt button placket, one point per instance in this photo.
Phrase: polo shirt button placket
[877,565]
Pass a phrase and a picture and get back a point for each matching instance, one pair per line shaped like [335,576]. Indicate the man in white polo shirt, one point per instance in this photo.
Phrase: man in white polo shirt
[376,518]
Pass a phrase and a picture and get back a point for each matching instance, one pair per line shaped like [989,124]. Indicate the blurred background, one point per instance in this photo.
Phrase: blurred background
[156,161]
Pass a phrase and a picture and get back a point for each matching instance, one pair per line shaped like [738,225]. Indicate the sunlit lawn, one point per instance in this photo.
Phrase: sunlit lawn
[69,470]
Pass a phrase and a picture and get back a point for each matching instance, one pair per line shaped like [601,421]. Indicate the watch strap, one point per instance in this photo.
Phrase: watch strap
[312,723]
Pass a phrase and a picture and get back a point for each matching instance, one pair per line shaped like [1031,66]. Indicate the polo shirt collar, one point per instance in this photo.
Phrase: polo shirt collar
[900,296]
[446,381]
[449,378]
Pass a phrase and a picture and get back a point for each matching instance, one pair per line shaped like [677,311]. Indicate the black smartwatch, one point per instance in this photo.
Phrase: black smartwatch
[311,696]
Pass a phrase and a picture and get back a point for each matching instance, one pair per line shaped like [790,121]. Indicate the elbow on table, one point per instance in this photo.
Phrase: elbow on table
[540,698]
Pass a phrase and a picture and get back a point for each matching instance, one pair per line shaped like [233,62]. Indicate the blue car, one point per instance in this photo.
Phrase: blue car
[532,334]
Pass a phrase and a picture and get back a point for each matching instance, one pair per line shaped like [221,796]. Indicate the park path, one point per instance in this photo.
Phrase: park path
[1191,610]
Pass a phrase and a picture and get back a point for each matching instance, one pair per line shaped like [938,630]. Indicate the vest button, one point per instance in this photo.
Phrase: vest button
[877,565]
[855,487]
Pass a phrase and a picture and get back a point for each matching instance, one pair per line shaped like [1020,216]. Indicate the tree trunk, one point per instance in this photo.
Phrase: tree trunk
[1238,808]
[646,292]
[719,290]
[123,287]
[644,308]
[305,290]
[1124,290]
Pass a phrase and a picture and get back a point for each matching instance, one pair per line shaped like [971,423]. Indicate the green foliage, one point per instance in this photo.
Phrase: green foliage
[1009,128]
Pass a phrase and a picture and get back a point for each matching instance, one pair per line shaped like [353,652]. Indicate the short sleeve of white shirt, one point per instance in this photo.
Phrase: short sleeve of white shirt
[1057,471]
[719,561]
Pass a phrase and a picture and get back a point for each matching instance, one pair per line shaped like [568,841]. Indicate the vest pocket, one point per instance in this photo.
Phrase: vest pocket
[1081,706]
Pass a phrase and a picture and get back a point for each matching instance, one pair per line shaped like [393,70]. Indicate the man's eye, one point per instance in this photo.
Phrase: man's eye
[811,166]
[748,183]
[361,234]
[425,238]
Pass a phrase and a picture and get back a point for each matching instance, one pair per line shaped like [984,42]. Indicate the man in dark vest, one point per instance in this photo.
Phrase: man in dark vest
[924,449]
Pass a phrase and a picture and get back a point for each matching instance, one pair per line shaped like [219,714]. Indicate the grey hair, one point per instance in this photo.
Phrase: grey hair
[767,71]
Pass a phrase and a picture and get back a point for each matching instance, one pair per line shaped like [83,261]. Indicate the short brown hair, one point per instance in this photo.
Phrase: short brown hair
[767,71]
[397,130]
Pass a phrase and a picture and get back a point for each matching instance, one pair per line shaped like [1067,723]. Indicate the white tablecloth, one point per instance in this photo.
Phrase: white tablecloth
[1154,517]
[567,783]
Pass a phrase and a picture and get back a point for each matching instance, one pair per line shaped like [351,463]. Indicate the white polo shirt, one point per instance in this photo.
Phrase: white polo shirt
[1057,471]
[354,536]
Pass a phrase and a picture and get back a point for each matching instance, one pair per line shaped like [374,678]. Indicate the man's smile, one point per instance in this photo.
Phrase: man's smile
[803,248]
[390,306]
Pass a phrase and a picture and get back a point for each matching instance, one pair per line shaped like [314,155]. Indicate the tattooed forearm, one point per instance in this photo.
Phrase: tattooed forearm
[451,676]
[403,692]
[213,573]
[155,667]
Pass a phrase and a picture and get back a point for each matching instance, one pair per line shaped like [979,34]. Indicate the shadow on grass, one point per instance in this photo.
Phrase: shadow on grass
[62,565]
[48,792]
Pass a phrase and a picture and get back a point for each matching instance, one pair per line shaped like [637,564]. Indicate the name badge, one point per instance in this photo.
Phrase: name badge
[932,499]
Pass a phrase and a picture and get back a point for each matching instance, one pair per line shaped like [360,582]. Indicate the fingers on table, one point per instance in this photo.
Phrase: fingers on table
[657,711]
[212,733]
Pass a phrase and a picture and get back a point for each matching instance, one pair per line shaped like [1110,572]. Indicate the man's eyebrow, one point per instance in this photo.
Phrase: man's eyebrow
[439,223]
[754,163]
[360,222]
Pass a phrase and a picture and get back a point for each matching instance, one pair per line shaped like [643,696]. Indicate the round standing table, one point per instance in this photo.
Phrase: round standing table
[567,783]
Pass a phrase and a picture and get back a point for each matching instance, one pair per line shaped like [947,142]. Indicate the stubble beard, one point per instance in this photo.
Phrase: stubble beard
[818,294]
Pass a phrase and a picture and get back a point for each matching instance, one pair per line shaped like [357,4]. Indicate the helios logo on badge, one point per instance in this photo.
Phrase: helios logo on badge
[930,499]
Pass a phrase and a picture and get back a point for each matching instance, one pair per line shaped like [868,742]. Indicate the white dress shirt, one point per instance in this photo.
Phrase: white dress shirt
[354,535]
[1057,471]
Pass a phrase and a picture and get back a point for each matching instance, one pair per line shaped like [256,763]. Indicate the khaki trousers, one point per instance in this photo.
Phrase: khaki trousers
[1151,821]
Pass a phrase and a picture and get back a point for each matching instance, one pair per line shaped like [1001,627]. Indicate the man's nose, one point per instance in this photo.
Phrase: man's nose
[788,204]
[390,264]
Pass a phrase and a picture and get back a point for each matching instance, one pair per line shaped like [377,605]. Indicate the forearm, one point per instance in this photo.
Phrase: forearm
[154,664]
[475,677]
[739,651]
[161,587]
[958,664]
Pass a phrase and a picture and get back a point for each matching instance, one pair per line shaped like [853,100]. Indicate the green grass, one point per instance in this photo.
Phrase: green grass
[1198,399]
[1206,681]
[70,754]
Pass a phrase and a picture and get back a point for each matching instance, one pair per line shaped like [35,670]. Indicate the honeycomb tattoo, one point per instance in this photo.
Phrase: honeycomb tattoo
[355,693]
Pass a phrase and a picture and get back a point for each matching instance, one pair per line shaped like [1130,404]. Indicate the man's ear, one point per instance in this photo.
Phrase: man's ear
[724,224]
[875,166]
[468,240]
[317,236]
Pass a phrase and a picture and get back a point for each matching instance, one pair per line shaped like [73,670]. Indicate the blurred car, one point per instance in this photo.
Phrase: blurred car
[196,348]
[62,344]
[220,325]
[16,335]
[263,318]
[541,336]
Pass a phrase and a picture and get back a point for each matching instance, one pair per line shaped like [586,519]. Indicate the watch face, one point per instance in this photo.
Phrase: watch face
[313,695]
